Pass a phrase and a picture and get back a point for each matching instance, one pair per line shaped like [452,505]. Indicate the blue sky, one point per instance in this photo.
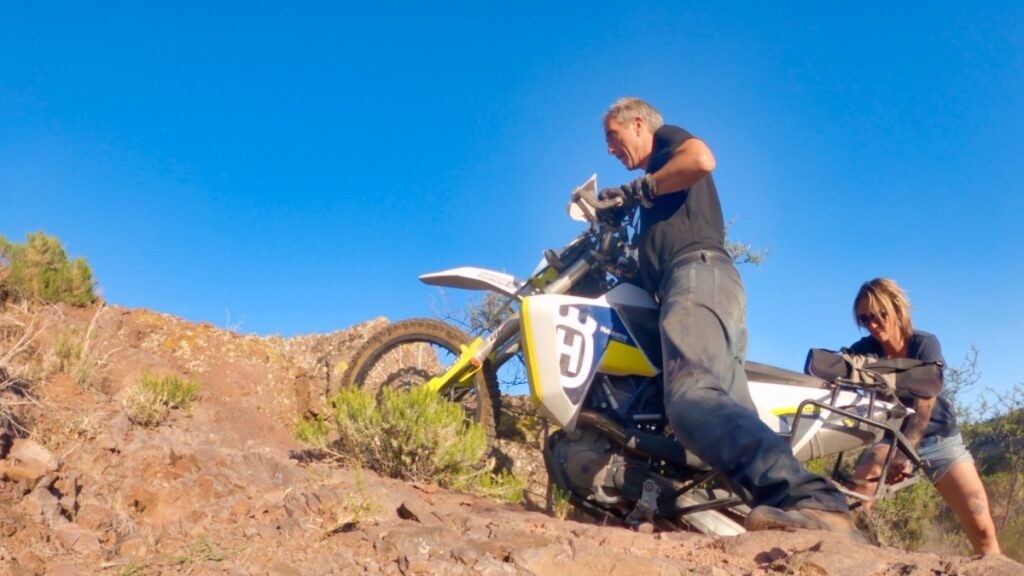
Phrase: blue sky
[291,168]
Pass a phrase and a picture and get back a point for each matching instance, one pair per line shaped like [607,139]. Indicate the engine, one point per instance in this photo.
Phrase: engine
[593,463]
[588,465]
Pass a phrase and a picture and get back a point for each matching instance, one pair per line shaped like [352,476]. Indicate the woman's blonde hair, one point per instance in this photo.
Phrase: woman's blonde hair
[885,297]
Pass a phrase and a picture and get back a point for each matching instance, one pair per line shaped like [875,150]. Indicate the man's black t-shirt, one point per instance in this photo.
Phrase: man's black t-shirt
[922,346]
[680,222]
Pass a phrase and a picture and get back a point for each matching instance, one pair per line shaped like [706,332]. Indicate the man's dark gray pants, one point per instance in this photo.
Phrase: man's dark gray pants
[704,344]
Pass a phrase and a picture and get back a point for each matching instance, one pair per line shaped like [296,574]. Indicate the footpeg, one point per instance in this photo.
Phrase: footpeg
[646,507]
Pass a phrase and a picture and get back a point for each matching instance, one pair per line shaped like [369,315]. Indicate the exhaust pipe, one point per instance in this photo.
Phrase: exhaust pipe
[640,442]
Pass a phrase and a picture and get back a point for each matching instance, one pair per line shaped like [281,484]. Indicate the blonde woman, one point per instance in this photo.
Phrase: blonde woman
[883,309]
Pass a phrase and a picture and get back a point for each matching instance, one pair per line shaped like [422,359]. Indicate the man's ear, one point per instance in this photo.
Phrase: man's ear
[638,124]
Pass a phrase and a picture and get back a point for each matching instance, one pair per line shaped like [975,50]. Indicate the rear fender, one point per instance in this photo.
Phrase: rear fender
[472,278]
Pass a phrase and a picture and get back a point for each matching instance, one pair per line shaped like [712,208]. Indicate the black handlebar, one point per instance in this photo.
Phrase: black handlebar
[590,198]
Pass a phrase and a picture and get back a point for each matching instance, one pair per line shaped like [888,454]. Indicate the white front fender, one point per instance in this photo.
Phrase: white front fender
[471,278]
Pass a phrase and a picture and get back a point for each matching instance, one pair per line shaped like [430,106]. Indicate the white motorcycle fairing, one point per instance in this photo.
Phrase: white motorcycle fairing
[472,278]
[567,339]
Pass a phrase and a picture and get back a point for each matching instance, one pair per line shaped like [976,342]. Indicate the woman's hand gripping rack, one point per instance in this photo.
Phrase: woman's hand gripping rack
[881,383]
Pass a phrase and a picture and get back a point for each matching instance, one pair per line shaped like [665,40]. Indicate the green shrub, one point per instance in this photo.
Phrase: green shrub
[1005,496]
[68,351]
[358,504]
[902,519]
[1011,539]
[502,486]
[148,402]
[413,435]
[144,407]
[313,432]
[173,390]
[561,503]
[410,435]
[40,270]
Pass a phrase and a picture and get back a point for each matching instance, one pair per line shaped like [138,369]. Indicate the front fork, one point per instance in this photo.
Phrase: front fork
[503,343]
[499,346]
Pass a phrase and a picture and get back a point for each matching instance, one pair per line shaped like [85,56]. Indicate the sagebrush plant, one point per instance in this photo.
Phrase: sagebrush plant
[72,359]
[85,371]
[40,270]
[313,432]
[176,391]
[144,407]
[68,351]
[410,435]
[150,401]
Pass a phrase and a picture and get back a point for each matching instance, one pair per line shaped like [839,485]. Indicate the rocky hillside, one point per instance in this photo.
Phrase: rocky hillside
[225,489]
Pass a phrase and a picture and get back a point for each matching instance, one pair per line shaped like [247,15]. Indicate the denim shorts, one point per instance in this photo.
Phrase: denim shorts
[940,453]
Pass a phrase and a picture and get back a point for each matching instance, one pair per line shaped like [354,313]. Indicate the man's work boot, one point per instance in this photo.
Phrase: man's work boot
[771,518]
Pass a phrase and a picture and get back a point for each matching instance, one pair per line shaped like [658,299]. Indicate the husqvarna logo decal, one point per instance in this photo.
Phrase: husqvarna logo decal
[575,343]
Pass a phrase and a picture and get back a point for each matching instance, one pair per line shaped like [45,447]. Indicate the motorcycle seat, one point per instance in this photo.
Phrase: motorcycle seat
[773,375]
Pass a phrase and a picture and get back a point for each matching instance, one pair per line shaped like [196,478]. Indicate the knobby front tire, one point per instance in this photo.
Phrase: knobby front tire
[409,353]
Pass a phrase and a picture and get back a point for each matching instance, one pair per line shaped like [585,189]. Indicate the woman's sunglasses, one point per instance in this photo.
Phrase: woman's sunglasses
[865,319]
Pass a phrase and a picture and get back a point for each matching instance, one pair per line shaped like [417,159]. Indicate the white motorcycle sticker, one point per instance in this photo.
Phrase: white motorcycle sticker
[575,341]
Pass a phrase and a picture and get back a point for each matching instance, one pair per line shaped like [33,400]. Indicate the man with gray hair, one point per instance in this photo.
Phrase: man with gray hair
[684,264]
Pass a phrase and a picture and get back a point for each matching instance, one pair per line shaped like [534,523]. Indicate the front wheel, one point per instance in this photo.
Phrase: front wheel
[410,353]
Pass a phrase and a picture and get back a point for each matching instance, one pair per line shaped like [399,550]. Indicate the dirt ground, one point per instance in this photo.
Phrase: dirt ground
[226,489]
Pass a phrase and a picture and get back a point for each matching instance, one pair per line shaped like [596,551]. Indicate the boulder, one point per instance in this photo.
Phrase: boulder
[28,462]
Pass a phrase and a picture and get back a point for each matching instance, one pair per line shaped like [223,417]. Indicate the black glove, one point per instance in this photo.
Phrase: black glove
[612,216]
[640,191]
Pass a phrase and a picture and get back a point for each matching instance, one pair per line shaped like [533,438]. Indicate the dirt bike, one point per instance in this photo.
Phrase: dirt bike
[590,342]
